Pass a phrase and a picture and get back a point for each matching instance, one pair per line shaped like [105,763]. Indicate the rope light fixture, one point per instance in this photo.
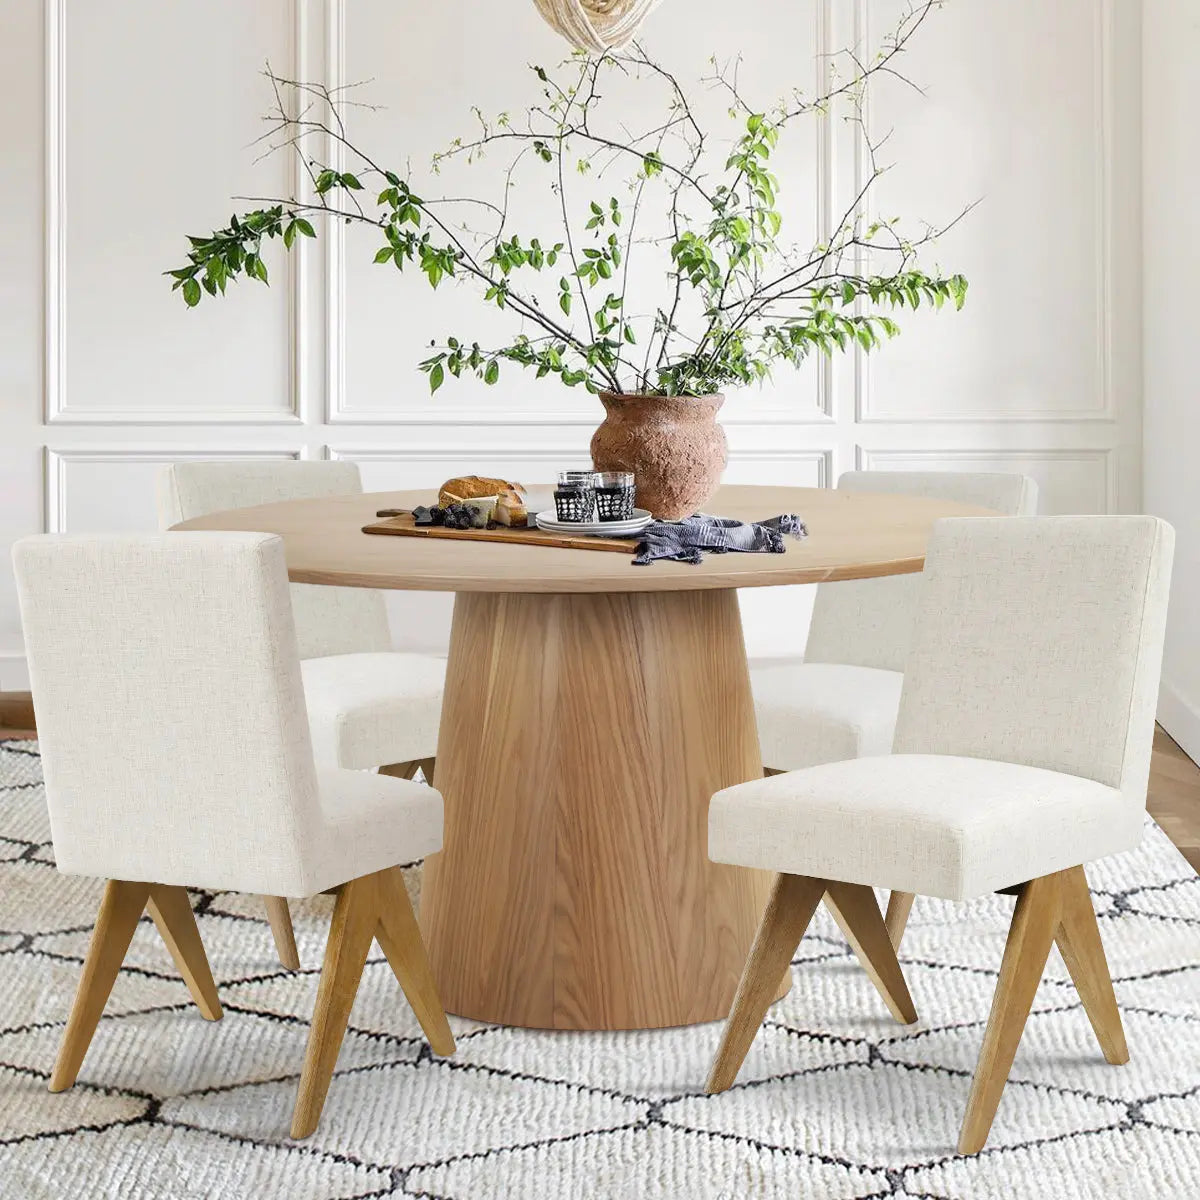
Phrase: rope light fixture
[596,25]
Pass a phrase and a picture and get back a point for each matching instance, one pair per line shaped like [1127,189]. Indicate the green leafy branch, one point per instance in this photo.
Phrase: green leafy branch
[739,300]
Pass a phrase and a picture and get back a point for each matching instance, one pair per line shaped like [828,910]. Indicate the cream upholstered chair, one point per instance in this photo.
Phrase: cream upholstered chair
[841,700]
[368,705]
[176,754]
[1022,751]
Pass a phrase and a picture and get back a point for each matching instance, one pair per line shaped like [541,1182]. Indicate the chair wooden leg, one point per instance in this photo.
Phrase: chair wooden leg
[861,921]
[1078,938]
[281,929]
[172,913]
[793,901]
[400,938]
[427,765]
[404,770]
[899,906]
[355,916]
[1030,936]
[120,910]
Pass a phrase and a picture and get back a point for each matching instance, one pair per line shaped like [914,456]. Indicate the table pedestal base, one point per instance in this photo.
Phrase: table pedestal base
[581,739]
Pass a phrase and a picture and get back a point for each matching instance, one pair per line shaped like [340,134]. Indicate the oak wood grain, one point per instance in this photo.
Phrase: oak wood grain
[280,919]
[793,900]
[355,917]
[1078,939]
[171,911]
[852,535]
[120,910]
[582,737]
[400,939]
[371,907]
[403,526]
[898,909]
[16,715]
[858,914]
[1034,923]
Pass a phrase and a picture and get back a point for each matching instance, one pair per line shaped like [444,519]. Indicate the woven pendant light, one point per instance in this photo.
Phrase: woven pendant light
[596,25]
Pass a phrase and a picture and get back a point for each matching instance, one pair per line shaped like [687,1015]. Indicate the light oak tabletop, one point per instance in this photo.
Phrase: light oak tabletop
[851,535]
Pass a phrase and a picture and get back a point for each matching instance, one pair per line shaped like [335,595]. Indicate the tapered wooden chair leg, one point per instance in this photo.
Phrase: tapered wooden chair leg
[355,917]
[899,906]
[404,770]
[1035,920]
[172,913]
[861,921]
[793,901]
[281,930]
[1078,939]
[400,938]
[120,910]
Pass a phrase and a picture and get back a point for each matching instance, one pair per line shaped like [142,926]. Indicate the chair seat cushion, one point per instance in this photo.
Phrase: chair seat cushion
[810,713]
[937,825]
[370,710]
[370,822]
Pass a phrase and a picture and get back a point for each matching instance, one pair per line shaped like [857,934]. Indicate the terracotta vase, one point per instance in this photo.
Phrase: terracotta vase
[672,444]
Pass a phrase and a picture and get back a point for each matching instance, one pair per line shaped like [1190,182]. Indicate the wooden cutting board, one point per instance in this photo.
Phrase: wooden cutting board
[402,526]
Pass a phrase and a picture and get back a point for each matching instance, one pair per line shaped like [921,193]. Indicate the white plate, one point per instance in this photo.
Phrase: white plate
[549,521]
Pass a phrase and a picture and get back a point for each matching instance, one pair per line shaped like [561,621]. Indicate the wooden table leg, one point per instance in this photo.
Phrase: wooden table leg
[581,739]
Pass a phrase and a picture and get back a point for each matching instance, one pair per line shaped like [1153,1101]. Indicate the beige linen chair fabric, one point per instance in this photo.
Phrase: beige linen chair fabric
[176,753]
[841,701]
[1022,751]
[368,705]
[329,620]
[171,719]
[1037,645]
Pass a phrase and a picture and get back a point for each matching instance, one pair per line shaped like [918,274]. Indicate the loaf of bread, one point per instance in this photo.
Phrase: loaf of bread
[469,487]
[510,510]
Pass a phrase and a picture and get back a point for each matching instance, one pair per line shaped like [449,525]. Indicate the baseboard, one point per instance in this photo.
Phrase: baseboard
[1181,719]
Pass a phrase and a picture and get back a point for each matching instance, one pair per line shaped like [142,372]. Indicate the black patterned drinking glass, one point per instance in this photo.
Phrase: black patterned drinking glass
[614,495]
[575,496]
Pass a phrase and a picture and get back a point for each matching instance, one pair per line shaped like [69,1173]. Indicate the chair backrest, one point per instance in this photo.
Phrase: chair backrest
[868,622]
[328,620]
[170,709]
[1039,642]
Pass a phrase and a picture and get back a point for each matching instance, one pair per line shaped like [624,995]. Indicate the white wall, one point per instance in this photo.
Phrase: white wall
[116,145]
[1171,179]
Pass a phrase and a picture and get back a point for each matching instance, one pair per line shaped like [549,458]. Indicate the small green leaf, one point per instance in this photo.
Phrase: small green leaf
[306,228]
[191,293]
[492,373]
[436,377]
[382,256]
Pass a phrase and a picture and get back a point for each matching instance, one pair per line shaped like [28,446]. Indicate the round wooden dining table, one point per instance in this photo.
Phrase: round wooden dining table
[591,709]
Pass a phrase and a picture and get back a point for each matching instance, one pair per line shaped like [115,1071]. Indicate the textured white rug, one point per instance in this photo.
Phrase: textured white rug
[835,1101]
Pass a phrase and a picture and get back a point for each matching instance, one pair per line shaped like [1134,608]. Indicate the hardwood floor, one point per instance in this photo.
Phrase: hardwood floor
[1174,799]
[16,715]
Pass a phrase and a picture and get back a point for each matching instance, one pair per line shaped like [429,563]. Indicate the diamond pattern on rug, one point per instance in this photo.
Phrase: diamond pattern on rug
[835,1100]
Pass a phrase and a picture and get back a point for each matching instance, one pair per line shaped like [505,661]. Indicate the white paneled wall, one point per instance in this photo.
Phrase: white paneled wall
[125,134]
[1171,57]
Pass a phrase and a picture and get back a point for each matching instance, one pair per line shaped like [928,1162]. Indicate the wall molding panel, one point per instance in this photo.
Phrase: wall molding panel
[57,475]
[1102,461]
[1109,321]
[57,405]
